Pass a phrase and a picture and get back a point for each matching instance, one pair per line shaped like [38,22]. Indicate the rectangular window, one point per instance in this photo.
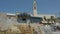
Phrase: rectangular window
[36,20]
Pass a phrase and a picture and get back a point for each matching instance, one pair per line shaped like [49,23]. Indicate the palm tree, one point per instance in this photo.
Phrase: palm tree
[48,20]
[52,19]
[45,18]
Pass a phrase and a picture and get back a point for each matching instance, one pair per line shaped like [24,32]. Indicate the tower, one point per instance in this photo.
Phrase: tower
[34,8]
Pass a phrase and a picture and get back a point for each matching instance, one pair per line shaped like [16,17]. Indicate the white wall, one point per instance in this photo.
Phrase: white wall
[46,15]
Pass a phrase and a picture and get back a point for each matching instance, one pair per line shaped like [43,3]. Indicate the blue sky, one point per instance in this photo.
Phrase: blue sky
[43,6]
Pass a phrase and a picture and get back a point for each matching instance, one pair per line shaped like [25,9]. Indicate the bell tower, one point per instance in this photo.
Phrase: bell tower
[34,8]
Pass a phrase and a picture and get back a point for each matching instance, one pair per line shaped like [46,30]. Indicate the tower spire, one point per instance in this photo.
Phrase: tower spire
[34,8]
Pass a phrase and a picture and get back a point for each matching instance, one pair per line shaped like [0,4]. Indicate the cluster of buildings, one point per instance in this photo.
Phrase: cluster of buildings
[24,17]
[8,19]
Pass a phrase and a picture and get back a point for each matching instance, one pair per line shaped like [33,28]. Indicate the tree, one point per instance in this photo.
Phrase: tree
[48,20]
[52,19]
[45,18]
